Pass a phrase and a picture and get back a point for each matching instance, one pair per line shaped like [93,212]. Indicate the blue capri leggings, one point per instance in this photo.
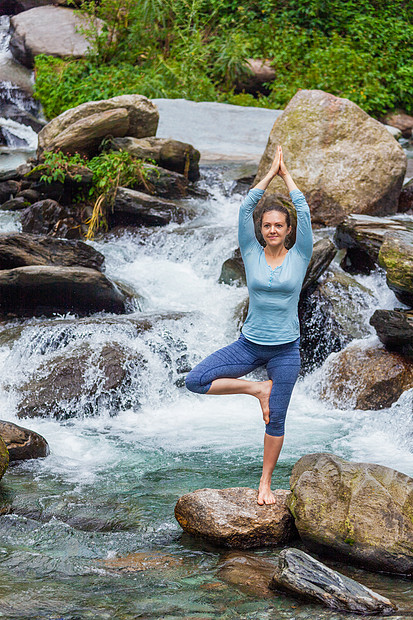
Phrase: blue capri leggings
[282,362]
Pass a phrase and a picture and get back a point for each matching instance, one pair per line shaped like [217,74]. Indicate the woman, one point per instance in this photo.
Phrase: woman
[270,335]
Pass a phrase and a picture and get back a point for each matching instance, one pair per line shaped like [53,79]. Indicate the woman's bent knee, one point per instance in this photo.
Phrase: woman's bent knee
[193,383]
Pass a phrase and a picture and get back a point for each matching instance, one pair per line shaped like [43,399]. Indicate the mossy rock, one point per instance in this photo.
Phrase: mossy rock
[396,256]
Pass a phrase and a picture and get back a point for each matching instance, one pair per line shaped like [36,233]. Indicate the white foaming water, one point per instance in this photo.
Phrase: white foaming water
[176,269]
[18,135]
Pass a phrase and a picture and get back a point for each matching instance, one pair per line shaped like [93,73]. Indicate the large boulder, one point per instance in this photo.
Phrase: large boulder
[82,129]
[395,330]
[365,378]
[21,250]
[139,209]
[22,443]
[347,162]
[51,30]
[49,217]
[396,256]
[232,518]
[362,236]
[37,290]
[300,574]
[360,511]
[170,154]
[62,388]
[4,458]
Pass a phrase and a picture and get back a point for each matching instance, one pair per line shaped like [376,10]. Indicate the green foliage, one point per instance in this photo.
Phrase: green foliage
[57,166]
[114,168]
[197,49]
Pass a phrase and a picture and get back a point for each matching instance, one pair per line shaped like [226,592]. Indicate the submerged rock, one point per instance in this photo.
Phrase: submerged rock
[63,387]
[251,574]
[363,236]
[365,378]
[143,561]
[396,256]
[21,250]
[358,511]
[299,573]
[395,330]
[81,129]
[170,154]
[349,162]
[22,443]
[233,270]
[40,289]
[232,518]
[32,33]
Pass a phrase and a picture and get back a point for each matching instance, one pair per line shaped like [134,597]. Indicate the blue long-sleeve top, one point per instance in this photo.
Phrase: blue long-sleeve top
[274,293]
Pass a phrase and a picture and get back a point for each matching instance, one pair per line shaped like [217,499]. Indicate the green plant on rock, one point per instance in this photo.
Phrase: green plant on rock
[56,166]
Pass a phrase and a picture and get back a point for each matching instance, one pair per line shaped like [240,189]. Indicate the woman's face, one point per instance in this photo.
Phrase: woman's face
[274,228]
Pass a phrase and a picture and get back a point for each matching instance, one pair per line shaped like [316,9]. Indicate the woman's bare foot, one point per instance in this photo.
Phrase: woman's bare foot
[263,394]
[265,495]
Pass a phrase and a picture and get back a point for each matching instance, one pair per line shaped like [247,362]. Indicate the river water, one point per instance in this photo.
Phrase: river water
[90,530]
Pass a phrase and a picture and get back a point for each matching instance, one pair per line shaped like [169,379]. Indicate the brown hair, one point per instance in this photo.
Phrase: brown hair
[275,207]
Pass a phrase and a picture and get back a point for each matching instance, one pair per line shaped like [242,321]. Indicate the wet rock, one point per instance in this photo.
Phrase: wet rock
[331,317]
[83,128]
[61,388]
[359,511]
[32,34]
[139,209]
[299,573]
[37,290]
[15,204]
[22,117]
[8,189]
[167,153]
[46,217]
[29,195]
[249,573]
[22,250]
[324,252]
[363,236]
[395,330]
[365,378]
[22,443]
[233,270]
[396,256]
[232,517]
[349,163]
[4,458]
[406,198]
[142,561]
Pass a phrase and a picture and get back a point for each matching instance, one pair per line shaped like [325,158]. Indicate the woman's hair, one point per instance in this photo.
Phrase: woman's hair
[276,207]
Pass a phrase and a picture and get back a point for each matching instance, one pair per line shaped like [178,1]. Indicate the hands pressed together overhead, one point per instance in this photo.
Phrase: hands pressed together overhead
[278,166]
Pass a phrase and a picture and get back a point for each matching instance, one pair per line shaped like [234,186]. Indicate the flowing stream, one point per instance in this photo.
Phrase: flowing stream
[109,486]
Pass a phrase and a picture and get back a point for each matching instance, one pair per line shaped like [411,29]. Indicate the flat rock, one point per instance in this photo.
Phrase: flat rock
[348,162]
[395,330]
[171,154]
[362,236]
[136,208]
[358,511]
[22,250]
[232,518]
[299,573]
[37,290]
[365,378]
[132,115]
[396,256]
[22,443]
[32,34]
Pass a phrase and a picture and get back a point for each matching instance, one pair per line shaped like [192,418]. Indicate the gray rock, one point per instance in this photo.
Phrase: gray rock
[406,198]
[324,252]
[359,511]
[232,517]
[132,115]
[37,290]
[299,573]
[15,204]
[32,34]
[22,443]
[348,163]
[395,330]
[46,217]
[8,189]
[22,250]
[233,270]
[137,208]
[165,183]
[170,154]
